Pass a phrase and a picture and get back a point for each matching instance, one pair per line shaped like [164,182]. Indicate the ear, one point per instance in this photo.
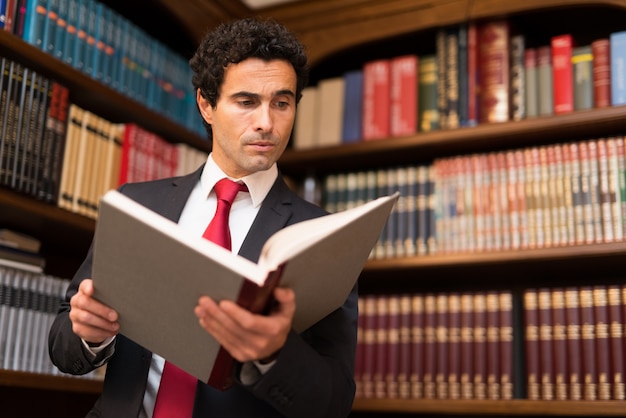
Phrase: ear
[205,107]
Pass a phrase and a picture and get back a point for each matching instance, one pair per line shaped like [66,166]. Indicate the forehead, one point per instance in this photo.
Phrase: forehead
[255,75]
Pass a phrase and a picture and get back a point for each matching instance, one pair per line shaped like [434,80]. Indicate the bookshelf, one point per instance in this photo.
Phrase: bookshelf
[345,26]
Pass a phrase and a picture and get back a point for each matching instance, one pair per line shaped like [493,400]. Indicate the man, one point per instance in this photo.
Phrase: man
[248,77]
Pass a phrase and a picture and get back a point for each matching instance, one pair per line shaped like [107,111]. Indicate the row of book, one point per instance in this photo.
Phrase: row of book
[568,345]
[534,197]
[96,40]
[479,73]
[435,346]
[60,153]
[29,302]
[574,342]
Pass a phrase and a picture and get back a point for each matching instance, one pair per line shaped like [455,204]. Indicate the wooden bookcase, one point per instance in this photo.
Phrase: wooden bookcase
[341,34]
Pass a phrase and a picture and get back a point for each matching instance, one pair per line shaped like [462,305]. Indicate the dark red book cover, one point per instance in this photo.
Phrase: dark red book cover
[417,346]
[441,346]
[493,345]
[404,351]
[603,343]
[472,75]
[430,346]
[369,345]
[601,72]
[381,342]
[562,73]
[589,353]
[616,336]
[559,332]
[506,344]
[574,343]
[467,346]
[546,347]
[454,346]
[360,348]
[404,94]
[393,347]
[493,67]
[531,343]
[480,346]
[376,99]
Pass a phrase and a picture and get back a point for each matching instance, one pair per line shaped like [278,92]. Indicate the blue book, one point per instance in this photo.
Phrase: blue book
[35,23]
[71,20]
[353,106]
[80,44]
[60,32]
[50,27]
[3,13]
[618,68]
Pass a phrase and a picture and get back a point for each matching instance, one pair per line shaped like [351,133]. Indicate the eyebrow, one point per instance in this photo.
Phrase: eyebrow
[284,92]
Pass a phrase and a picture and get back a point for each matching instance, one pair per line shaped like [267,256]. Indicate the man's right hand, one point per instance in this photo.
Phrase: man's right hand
[92,321]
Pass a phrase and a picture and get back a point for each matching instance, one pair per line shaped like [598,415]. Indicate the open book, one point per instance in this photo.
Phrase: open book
[153,272]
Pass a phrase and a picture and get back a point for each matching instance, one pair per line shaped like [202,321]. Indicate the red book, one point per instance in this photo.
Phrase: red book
[603,343]
[616,336]
[480,346]
[404,352]
[454,346]
[360,348]
[430,346]
[531,321]
[601,65]
[131,133]
[506,344]
[417,346]
[493,345]
[442,346]
[589,354]
[467,346]
[559,332]
[493,67]
[392,367]
[546,362]
[376,99]
[380,342]
[562,73]
[472,75]
[369,345]
[574,343]
[403,99]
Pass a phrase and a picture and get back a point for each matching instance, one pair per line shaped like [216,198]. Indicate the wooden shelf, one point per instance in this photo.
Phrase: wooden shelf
[50,382]
[514,407]
[423,147]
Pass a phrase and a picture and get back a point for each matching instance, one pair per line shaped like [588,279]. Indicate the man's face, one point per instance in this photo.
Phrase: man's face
[253,116]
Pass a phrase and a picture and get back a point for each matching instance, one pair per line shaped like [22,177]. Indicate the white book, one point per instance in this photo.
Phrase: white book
[134,248]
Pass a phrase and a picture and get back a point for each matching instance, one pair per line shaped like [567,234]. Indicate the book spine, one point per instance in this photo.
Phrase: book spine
[430,346]
[418,330]
[589,354]
[616,337]
[518,88]
[405,349]
[493,41]
[369,345]
[392,367]
[562,73]
[582,74]
[546,344]
[427,90]
[602,341]
[454,346]
[442,346]
[574,343]
[467,346]
[403,101]
[601,72]
[376,99]
[617,43]
[479,380]
[532,82]
[532,352]
[441,77]
[493,346]
[545,80]
[559,333]
[452,73]
[352,109]
[382,346]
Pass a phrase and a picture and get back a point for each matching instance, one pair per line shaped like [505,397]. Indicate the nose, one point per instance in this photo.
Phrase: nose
[263,119]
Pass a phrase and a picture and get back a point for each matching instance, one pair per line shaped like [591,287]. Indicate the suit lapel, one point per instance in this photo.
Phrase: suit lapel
[274,214]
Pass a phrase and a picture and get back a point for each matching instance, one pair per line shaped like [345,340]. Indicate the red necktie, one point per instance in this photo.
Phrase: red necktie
[177,391]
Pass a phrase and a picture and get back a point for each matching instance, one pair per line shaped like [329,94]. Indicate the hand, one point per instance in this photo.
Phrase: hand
[247,336]
[92,321]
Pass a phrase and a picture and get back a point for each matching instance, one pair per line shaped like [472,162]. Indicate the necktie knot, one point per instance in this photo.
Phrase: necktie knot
[227,190]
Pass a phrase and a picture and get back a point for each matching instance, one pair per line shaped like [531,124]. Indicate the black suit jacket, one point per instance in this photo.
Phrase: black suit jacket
[313,374]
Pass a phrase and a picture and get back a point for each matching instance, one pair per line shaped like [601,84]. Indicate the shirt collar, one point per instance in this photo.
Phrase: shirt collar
[259,183]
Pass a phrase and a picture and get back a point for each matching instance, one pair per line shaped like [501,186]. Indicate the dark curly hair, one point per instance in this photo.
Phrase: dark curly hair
[236,41]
